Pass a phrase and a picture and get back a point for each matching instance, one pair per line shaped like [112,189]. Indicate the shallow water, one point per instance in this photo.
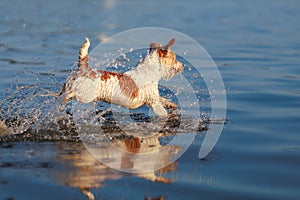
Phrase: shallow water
[255,45]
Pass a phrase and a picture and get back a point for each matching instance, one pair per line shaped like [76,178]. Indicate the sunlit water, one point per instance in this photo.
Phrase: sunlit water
[256,47]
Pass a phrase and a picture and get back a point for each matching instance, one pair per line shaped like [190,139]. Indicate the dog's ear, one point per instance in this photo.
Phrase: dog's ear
[170,43]
[154,46]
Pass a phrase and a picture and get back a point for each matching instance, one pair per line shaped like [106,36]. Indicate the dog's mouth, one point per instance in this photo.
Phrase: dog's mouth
[180,67]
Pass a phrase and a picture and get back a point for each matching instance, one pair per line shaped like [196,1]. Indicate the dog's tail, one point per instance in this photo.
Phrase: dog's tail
[83,55]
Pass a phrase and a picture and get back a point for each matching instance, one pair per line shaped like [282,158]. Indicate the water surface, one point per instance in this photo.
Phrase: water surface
[255,45]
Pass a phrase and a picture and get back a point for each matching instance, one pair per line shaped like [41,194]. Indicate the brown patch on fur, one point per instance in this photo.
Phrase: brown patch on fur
[162,52]
[128,86]
[133,145]
[106,75]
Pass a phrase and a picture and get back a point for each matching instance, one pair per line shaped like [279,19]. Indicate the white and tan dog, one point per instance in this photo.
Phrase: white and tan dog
[131,89]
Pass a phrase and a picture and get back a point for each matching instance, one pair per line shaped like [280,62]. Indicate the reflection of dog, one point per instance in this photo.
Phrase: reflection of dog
[86,172]
[131,89]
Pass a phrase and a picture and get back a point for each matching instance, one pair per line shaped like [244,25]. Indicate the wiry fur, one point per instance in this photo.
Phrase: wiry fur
[131,89]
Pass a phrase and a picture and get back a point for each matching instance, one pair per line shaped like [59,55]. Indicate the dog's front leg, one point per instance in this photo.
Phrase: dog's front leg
[159,109]
[168,104]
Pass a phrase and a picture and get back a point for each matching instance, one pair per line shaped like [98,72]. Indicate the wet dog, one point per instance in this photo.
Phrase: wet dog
[131,89]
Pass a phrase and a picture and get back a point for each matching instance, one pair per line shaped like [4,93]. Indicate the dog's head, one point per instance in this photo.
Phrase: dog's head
[167,57]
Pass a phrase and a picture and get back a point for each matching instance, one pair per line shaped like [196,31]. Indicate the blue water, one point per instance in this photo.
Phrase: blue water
[255,45]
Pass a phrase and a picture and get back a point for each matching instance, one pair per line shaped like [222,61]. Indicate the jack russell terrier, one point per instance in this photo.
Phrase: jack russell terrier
[131,89]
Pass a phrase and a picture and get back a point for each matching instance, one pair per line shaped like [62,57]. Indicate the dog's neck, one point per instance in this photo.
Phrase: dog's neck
[150,70]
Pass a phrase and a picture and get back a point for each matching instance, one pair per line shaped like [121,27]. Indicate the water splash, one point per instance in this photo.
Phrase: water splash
[34,112]
[32,107]
[31,110]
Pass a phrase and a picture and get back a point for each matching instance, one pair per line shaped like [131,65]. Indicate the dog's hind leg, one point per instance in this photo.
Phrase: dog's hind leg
[63,89]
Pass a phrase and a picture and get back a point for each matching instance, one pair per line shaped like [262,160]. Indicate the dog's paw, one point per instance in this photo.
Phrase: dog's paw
[171,105]
[168,104]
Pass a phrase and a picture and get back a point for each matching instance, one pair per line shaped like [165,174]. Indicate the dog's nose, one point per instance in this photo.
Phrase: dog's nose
[181,67]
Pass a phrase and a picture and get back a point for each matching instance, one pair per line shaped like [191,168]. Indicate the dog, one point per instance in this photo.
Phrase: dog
[131,89]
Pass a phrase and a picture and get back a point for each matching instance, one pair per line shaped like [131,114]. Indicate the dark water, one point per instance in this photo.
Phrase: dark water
[256,46]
